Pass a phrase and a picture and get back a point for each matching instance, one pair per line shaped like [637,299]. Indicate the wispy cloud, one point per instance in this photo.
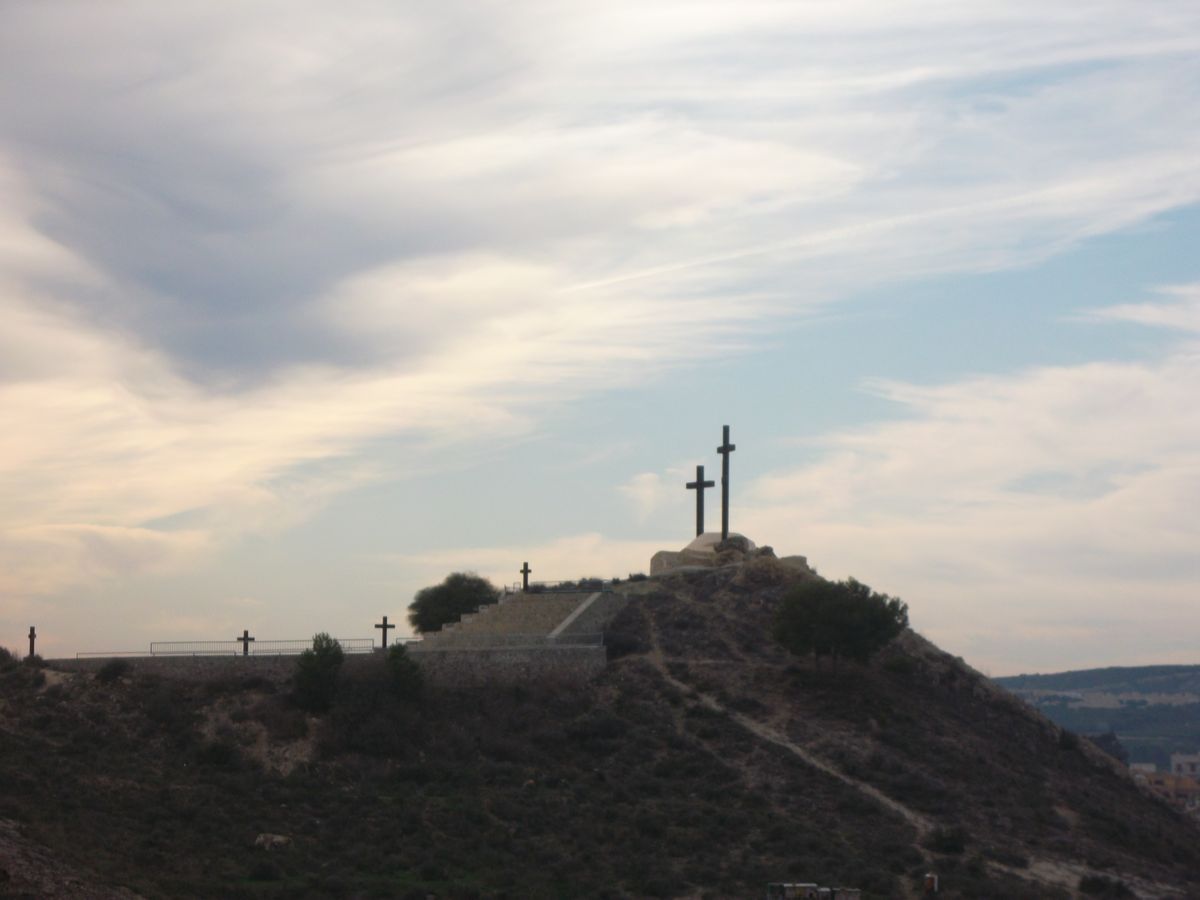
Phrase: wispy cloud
[235,253]
[1019,509]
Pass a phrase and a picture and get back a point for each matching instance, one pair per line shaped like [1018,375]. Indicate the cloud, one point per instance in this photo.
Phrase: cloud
[1183,314]
[240,249]
[1044,515]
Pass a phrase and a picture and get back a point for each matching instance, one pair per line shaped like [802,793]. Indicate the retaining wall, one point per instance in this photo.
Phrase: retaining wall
[510,665]
[449,667]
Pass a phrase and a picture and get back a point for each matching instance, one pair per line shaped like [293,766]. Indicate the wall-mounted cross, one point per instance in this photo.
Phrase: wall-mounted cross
[385,626]
[32,638]
[245,640]
[525,570]
[725,449]
[698,486]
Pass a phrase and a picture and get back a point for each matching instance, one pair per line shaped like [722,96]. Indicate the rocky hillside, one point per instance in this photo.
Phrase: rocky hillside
[705,762]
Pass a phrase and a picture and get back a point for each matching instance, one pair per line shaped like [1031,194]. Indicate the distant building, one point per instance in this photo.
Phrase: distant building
[1181,791]
[1142,768]
[1186,764]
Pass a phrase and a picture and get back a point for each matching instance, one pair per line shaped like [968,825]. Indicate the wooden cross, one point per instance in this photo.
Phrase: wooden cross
[245,640]
[32,638]
[698,486]
[725,449]
[525,570]
[385,626]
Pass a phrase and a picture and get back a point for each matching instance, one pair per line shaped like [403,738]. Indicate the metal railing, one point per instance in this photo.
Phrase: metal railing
[235,648]
[257,648]
[584,586]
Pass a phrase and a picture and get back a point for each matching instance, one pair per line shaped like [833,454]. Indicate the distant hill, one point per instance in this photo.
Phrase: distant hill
[1154,710]
[703,762]
[1114,679]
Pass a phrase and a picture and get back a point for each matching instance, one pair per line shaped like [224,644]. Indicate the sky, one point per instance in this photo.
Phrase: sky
[304,306]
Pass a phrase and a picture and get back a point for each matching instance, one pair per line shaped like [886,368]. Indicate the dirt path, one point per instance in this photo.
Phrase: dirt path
[1046,872]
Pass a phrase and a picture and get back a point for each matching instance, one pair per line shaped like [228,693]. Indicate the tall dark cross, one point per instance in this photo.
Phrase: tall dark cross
[32,638]
[698,486]
[245,640]
[525,570]
[725,449]
[385,626]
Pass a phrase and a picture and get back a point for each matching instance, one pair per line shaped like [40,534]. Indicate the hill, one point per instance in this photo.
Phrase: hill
[704,762]
[1113,680]
[1153,710]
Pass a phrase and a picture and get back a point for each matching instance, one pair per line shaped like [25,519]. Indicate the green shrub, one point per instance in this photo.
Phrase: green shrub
[315,681]
[458,594]
[220,754]
[952,839]
[407,680]
[900,665]
[838,618]
[1099,886]
[112,670]
[1068,740]
[8,659]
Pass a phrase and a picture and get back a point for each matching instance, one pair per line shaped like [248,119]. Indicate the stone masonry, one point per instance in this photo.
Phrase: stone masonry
[523,638]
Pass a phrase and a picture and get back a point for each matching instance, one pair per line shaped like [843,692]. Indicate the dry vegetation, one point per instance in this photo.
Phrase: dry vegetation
[705,762]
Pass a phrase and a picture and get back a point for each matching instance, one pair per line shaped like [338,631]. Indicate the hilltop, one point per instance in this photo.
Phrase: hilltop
[703,762]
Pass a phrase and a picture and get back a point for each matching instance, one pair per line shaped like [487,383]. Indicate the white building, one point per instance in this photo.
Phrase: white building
[1186,764]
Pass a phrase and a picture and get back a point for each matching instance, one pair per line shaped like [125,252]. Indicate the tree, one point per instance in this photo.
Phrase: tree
[838,618]
[317,672]
[460,593]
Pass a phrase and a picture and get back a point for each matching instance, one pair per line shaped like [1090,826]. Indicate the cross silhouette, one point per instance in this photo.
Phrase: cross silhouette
[385,626]
[32,638]
[245,640]
[698,486]
[725,449]
[525,570]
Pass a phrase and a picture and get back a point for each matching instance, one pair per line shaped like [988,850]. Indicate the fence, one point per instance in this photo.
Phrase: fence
[586,586]
[235,648]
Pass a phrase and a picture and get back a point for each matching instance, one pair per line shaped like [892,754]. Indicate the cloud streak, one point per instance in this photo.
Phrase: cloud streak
[240,248]
[1050,505]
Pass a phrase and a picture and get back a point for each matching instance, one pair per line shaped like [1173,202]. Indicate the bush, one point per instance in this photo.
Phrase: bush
[1099,886]
[407,680]
[947,840]
[8,659]
[1111,744]
[838,618]
[317,672]
[439,604]
[112,670]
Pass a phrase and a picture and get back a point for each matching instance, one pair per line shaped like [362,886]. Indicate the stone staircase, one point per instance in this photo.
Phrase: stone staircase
[518,619]
[535,638]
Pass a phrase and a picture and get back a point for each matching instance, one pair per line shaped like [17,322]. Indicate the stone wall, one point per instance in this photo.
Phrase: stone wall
[449,667]
[511,665]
